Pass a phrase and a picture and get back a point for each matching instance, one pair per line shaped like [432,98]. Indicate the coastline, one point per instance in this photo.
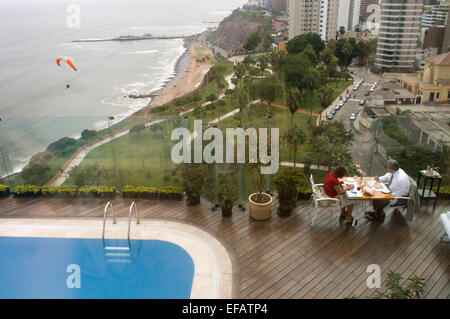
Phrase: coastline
[188,74]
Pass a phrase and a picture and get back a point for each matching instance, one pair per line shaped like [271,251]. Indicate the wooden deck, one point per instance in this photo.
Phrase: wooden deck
[285,257]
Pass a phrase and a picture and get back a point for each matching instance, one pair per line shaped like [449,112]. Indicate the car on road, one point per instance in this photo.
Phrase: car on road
[362,102]
[351,72]
[330,116]
[367,93]
[353,117]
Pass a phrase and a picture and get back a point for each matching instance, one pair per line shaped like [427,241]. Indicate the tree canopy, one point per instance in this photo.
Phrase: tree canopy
[299,43]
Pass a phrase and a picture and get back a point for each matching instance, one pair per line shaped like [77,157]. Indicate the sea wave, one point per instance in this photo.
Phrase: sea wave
[141,52]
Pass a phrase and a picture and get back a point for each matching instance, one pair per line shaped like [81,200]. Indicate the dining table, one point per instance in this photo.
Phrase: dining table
[380,190]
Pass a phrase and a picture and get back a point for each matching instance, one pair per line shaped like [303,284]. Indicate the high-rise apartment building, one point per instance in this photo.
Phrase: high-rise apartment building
[317,16]
[399,30]
[435,14]
[348,16]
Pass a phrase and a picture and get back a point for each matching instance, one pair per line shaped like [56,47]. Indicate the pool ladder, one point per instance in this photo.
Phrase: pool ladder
[119,251]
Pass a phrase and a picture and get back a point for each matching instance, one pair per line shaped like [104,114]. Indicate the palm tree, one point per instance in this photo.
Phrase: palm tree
[312,82]
[294,137]
[293,102]
[263,63]
[326,98]
[239,71]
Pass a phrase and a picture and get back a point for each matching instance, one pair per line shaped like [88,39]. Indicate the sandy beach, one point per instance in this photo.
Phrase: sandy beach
[189,75]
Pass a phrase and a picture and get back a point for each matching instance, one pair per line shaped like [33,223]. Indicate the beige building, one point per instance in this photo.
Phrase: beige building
[431,84]
[317,16]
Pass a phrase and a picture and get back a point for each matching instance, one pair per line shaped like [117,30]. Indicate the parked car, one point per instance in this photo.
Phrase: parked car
[351,72]
[355,88]
[341,104]
[362,102]
[344,100]
[333,111]
[330,116]
[347,97]
[353,117]
[367,93]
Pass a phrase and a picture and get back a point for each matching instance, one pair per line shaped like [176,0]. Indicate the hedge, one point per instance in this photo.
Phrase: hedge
[304,192]
[171,192]
[128,191]
[27,190]
[59,191]
[4,190]
[97,191]
[144,192]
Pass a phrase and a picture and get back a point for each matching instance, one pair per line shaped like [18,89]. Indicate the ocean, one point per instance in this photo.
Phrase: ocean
[37,108]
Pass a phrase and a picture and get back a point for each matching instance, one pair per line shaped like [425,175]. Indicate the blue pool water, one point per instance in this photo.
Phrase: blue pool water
[84,269]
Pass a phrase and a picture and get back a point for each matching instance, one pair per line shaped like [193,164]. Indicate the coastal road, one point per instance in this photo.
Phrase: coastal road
[361,147]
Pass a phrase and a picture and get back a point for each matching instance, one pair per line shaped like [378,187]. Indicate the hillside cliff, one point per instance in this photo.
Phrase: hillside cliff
[234,30]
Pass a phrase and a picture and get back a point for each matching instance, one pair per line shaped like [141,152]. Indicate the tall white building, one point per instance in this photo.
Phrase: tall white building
[317,16]
[398,34]
[348,16]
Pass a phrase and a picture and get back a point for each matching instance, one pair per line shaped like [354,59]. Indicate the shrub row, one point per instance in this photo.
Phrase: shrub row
[128,191]
[170,192]
[4,190]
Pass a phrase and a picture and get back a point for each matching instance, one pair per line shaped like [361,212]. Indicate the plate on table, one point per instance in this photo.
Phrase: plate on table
[349,179]
[386,191]
[378,185]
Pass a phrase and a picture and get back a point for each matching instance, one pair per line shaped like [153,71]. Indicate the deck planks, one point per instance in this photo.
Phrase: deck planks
[286,257]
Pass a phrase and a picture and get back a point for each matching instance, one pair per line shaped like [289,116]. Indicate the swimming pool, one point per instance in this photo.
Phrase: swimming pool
[87,269]
[57,244]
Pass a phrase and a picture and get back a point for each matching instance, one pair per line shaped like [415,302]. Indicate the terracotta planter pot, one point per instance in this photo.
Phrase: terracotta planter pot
[260,211]
[227,211]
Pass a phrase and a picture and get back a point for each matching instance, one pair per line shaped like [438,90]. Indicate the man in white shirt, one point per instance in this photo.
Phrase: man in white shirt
[397,182]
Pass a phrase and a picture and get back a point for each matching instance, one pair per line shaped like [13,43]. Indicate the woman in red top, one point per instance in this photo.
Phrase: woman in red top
[333,188]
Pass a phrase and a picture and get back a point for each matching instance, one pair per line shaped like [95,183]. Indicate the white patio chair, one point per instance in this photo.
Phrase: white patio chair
[445,220]
[319,199]
[406,203]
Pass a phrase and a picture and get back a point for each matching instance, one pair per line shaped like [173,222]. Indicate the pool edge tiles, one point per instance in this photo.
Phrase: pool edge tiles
[215,266]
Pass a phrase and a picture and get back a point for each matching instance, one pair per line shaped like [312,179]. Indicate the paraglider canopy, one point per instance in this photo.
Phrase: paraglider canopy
[68,60]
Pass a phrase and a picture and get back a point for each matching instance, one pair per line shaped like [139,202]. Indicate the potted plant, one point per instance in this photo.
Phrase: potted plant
[259,203]
[286,183]
[193,178]
[227,196]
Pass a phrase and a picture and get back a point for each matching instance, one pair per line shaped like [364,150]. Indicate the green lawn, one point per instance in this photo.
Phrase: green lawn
[313,102]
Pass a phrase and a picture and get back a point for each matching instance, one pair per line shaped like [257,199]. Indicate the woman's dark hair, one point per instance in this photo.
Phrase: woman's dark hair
[340,171]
